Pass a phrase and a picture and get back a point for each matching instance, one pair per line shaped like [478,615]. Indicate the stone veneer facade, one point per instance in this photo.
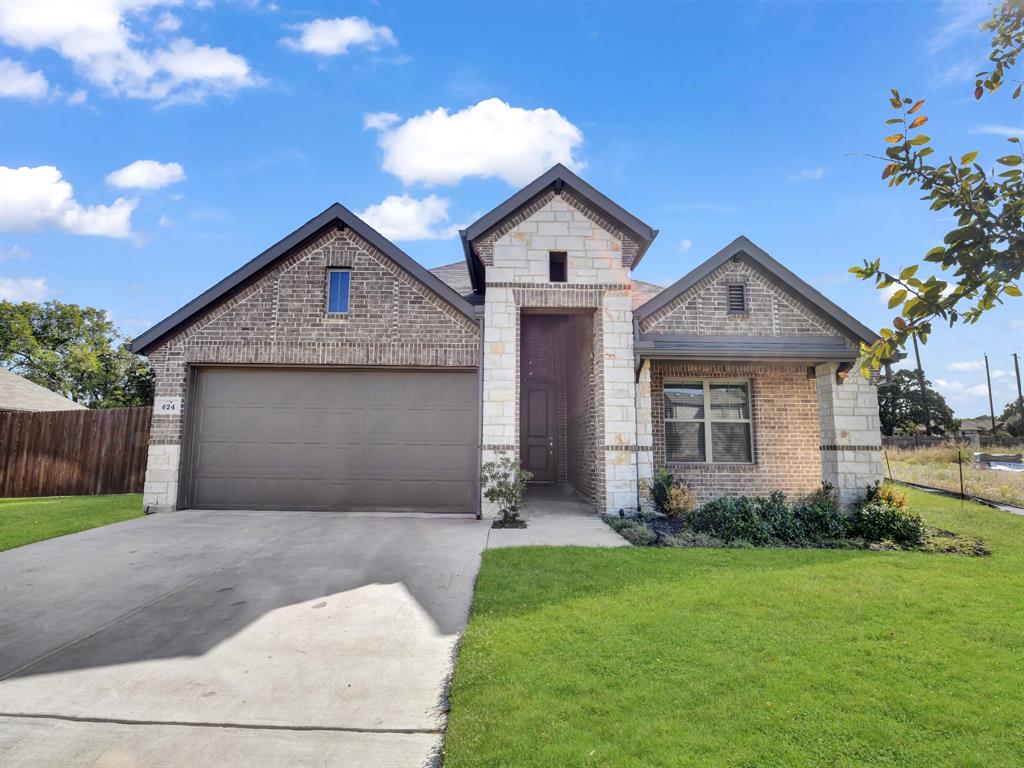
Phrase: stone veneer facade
[515,255]
[393,320]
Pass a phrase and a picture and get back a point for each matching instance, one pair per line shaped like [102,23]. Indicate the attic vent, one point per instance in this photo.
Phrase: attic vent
[736,298]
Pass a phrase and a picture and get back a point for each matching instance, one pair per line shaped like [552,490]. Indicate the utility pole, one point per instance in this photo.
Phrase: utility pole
[920,383]
[1020,398]
[991,407]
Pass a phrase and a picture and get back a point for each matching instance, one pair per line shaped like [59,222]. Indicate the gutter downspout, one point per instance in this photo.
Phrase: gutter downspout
[480,420]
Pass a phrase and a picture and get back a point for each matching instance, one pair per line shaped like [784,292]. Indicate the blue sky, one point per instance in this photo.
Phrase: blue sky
[706,120]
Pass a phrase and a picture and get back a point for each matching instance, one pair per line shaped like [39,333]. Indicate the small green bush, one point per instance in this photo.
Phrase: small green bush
[670,495]
[635,530]
[820,517]
[877,521]
[733,518]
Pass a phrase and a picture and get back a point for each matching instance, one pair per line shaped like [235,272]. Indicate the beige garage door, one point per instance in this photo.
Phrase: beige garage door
[317,439]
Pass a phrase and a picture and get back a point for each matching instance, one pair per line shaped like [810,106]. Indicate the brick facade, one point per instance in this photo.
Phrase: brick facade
[280,319]
[579,335]
[771,311]
[784,414]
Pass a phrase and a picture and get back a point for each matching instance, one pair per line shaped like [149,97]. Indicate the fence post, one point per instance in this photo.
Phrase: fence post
[887,464]
[960,464]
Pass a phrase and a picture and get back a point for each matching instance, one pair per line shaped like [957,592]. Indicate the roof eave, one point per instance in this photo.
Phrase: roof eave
[743,246]
[336,213]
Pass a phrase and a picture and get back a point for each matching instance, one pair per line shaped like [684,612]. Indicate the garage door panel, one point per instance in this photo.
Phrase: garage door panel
[334,440]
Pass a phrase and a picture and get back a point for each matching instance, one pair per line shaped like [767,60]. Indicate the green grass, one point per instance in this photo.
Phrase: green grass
[23,521]
[759,657]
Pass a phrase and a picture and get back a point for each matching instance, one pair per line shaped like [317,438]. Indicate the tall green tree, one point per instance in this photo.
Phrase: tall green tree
[984,254]
[1013,418]
[901,410]
[76,351]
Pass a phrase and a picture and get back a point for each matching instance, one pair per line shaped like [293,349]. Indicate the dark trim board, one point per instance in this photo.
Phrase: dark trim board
[743,248]
[333,216]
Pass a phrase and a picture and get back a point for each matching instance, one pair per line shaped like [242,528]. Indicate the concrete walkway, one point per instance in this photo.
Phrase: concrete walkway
[556,517]
[234,639]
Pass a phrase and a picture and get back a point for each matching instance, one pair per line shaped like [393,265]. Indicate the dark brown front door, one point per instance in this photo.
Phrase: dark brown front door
[538,431]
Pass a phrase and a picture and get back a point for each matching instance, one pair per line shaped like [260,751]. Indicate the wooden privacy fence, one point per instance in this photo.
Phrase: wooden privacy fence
[66,453]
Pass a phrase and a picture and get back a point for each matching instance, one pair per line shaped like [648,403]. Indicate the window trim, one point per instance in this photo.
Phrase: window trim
[709,453]
[327,292]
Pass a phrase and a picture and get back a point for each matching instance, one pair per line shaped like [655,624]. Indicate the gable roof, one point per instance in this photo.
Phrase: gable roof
[743,248]
[19,394]
[336,214]
[556,177]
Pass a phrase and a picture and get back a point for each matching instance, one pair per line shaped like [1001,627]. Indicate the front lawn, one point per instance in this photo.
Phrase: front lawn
[23,521]
[748,657]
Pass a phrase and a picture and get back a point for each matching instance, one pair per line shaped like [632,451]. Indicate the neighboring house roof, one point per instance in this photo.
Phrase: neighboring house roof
[978,425]
[644,292]
[20,394]
[334,215]
[456,275]
[555,178]
[743,248]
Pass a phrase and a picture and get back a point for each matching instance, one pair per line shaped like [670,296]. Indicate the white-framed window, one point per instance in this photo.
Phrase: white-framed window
[707,421]
[338,285]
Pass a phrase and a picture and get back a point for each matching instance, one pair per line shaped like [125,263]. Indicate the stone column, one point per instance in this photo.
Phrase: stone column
[620,426]
[851,438]
[501,365]
[644,433]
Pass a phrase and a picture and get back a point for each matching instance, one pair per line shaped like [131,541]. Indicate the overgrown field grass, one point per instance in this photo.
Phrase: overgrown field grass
[23,521]
[760,657]
[937,466]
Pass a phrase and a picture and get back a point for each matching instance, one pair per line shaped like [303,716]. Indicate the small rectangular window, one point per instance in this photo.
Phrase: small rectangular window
[558,271]
[708,422]
[337,291]
[736,298]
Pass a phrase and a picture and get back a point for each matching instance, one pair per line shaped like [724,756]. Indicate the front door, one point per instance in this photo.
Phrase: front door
[537,434]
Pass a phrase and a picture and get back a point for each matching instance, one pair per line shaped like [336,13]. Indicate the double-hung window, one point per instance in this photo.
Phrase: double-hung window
[338,281]
[708,422]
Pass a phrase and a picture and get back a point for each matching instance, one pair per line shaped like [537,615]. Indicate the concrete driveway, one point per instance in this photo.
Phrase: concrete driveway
[234,638]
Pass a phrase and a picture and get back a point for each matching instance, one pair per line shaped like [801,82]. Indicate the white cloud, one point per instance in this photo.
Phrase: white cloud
[998,374]
[167,22]
[78,97]
[146,174]
[22,288]
[379,121]
[967,365]
[333,37]
[685,245]
[104,39]
[16,82]
[958,387]
[961,18]
[401,217]
[884,294]
[999,130]
[165,221]
[14,253]
[808,174]
[39,198]
[1017,324]
[489,139]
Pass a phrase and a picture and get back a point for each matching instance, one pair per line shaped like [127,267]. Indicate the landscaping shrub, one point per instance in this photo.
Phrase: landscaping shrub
[819,516]
[504,482]
[886,493]
[752,519]
[878,521]
[670,495]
